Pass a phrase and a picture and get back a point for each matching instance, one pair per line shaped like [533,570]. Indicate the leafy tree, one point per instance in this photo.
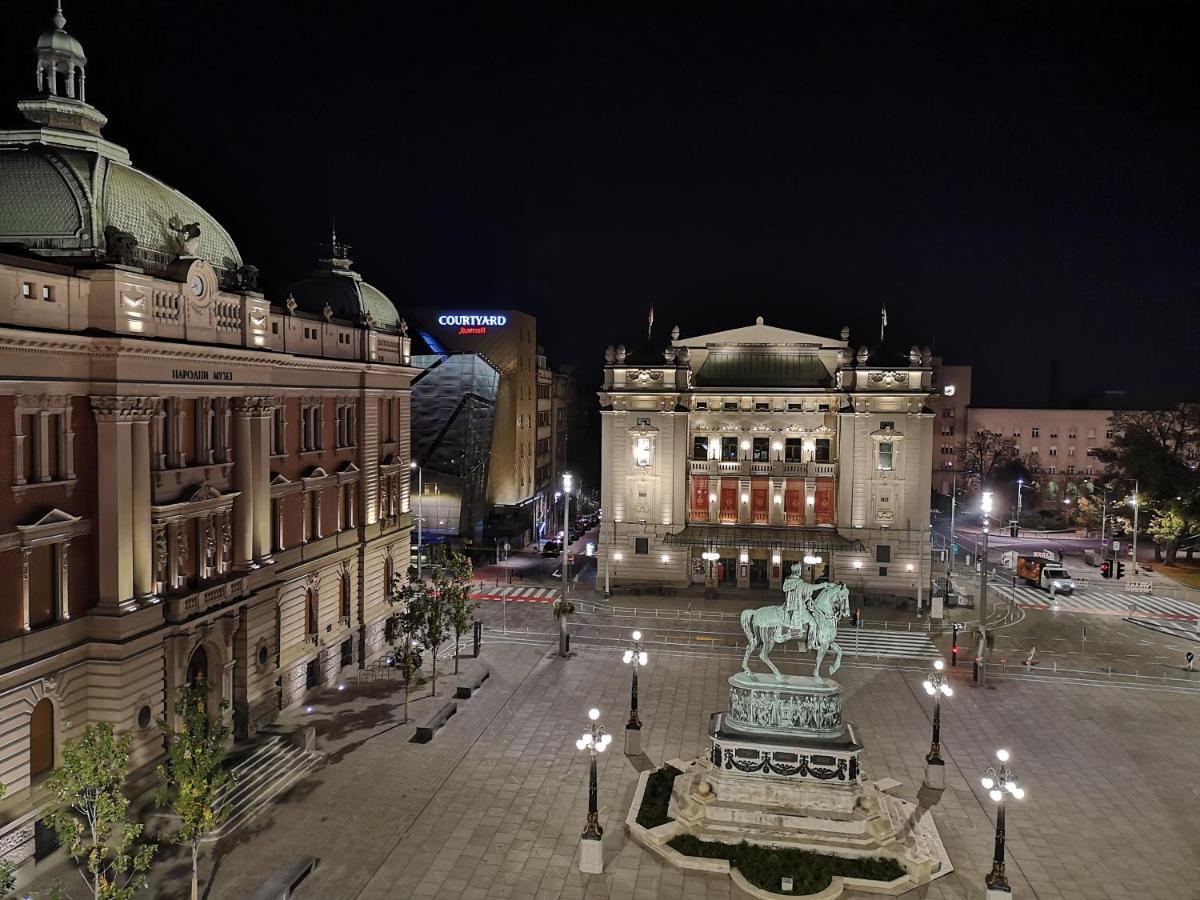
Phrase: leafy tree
[194,775]
[89,810]
[426,613]
[1158,450]
[1088,512]
[457,575]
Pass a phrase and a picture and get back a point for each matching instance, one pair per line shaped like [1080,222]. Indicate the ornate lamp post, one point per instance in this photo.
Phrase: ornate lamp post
[1000,783]
[591,852]
[937,685]
[636,657]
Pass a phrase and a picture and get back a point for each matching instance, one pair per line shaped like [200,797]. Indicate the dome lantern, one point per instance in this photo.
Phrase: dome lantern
[61,83]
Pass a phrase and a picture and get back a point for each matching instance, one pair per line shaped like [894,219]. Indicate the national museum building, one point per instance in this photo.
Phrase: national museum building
[194,482]
[727,458]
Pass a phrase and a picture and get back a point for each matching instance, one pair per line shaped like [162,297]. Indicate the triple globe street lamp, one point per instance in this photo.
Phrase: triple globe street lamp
[636,657]
[1000,783]
[595,740]
[937,685]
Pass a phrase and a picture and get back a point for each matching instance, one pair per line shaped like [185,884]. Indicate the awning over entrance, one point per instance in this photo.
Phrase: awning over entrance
[757,537]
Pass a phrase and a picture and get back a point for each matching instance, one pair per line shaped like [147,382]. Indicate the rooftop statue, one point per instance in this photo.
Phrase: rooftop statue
[809,614]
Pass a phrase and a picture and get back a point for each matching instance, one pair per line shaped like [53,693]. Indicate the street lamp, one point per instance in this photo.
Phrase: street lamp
[1133,501]
[1000,783]
[985,505]
[566,543]
[711,556]
[595,740]
[812,559]
[635,657]
[420,509]
[937,685]
[1021,488]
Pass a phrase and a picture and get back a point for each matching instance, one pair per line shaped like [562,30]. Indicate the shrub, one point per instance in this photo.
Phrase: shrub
[656,797]
[764,867]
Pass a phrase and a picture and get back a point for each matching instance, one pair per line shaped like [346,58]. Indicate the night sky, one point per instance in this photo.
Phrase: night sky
[1017,181]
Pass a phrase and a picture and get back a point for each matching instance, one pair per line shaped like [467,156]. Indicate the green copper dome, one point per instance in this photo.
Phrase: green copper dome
[61,41]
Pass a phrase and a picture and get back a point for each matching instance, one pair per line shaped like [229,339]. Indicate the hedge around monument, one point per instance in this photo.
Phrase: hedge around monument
[653,811]
[764,867]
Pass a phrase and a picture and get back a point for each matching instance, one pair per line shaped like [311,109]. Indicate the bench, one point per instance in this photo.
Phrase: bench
[464,691]
[425,732]
[287,878]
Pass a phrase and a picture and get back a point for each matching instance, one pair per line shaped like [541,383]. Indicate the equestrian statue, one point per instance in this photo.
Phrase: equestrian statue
[809,614]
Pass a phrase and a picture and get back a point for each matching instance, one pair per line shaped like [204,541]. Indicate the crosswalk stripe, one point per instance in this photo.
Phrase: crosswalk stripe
[1101,601]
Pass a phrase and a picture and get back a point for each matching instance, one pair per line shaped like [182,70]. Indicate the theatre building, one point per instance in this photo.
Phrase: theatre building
[195,482]
[727,458]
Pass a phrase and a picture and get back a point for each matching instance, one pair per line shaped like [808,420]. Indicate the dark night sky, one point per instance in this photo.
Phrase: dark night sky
[1016,180]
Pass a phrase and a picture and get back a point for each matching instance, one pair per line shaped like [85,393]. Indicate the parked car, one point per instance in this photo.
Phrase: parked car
[551,548]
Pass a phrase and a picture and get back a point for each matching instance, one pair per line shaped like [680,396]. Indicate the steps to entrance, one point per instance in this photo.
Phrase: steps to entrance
[269,770]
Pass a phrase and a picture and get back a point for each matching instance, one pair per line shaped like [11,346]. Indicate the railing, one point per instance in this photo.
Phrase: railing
[344,622]
[185,607]
[312,639]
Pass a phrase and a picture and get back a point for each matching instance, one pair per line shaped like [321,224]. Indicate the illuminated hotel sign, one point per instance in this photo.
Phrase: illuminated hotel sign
[471,323]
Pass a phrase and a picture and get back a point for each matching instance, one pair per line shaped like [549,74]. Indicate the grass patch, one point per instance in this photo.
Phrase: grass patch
[810,872]
[656,797]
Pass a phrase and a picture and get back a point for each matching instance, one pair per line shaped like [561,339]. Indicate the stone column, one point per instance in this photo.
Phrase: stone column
[810,501]
[173,555]
[261,451]
[143,540]
[115,521]
[243,481]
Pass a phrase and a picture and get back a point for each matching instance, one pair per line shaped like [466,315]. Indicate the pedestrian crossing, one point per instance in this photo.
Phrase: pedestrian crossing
[1185,631]
[517,594]
[887,643]
[1096,600]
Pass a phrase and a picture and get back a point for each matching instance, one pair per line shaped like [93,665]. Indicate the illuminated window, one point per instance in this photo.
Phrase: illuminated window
[641,452]
[884,456]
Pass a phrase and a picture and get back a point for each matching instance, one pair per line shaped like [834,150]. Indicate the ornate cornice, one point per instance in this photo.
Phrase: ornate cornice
[254,406]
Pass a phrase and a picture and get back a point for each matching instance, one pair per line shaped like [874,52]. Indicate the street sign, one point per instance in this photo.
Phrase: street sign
[1116,545]
[1104,543]
[954,547]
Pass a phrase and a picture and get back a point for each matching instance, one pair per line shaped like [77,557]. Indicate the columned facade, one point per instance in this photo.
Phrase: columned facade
[730,460]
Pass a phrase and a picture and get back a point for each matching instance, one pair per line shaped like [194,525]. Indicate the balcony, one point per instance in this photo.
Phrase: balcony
[776,468]
[186,606]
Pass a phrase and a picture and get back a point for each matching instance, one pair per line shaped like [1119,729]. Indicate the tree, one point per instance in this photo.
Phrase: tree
[1167,528]
[88,813]
[1158,451]
[426,613]
[403,626]
[986,459]
[457,575]
[194,775]
[1089,511]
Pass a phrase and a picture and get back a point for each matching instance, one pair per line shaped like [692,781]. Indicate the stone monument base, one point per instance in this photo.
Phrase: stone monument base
[591,856]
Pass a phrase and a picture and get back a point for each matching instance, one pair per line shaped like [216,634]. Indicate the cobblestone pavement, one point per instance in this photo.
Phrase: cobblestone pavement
[493,807]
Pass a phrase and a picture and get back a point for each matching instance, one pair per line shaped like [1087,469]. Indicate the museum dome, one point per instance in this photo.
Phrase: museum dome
[337,285]
[67,192]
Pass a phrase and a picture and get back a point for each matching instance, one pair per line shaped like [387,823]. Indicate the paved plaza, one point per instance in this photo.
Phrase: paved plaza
[493,807]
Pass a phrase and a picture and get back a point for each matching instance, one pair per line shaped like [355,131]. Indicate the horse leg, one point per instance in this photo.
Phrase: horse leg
[837,663]
[768,646]
[750,641]
[817,667]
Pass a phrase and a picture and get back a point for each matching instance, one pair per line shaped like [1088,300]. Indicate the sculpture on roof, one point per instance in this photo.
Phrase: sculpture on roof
[247,277]
[188,236]
[119,246]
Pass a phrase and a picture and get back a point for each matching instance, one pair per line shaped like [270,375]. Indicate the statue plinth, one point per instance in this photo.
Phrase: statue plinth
[788,707]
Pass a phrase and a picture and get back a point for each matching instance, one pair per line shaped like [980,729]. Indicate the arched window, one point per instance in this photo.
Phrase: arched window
[198,666]
[41,739]
[310,613]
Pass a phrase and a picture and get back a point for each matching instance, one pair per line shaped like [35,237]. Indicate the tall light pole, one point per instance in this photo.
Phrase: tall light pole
[607,557]
[420,509]
[566,543]
[1021,488]
[953,503]
[1134,503]
[937,686]
[591,852]
[1000,783]
[985,504]
[1103,519]
[636,657]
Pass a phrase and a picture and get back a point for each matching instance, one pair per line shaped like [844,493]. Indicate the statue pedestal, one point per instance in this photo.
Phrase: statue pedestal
[795,705]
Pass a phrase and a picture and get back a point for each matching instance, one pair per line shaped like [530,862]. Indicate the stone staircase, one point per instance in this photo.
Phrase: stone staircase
[268,770]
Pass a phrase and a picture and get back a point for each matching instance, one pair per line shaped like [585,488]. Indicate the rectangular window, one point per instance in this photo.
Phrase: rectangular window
[47,293]
[947,413]
[822,449]
[699,447]
[1053,432]
[793,450]
[26,290]
[1054,451]
[729,500]
[822,407]
[729,449]
[641,452]
[702,405]
[883,553]
[762,449]
[795,407]
[1035,431]
[884,426]
[1071,434]
[731,406]
[1071,451]
[1091,434]
[700,498]
[43,586]
[759,502]
[30,456]
[762,406]
[1070,470]
[883,571]
[641,546]
[885,456]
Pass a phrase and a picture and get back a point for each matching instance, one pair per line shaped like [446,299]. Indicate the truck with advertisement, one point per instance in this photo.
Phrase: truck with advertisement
[1043,572]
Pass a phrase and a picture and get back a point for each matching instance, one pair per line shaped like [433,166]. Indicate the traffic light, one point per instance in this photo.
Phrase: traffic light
[1120,569]
[1105,570]
[954,647]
